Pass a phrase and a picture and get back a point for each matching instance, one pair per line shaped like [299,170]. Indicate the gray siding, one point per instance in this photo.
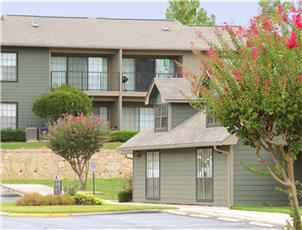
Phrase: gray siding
[253,189]
[180,113]
[139,161]
[33,80]
[178,177]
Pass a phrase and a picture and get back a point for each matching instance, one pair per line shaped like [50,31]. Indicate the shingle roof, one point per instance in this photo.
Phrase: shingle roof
[190,133]
[100,33]
[171,89]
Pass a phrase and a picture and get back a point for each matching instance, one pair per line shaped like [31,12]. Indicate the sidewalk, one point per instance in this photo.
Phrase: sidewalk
[21,189]
[223,213]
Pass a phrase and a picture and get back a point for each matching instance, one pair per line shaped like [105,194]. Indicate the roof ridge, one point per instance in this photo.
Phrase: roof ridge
[87,17]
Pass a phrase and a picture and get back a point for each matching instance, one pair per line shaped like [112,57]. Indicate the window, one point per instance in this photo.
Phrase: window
[204,171]
[152,175]
[137,118]
[161,117]
[102,112]
[8,115]
[212,122]
[8,66]
[164,68]
[146,117]
[59,71]
[129,73]
[86,73]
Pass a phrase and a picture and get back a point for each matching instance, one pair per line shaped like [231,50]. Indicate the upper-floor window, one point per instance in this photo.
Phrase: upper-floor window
[212,122]
[8,64]
[86,73]
[161,117]
[8,115]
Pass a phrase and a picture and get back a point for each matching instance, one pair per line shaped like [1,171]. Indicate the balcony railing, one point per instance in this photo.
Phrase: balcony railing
[87,81]
[140,82]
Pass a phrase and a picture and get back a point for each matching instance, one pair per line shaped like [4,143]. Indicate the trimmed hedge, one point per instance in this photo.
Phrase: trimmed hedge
[36,199]
[125,196]
[13,135]
[87,199]
[121,136]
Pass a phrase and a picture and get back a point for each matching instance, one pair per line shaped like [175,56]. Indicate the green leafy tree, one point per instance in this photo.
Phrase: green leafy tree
[252,83]
[60,101]
[77,139]
[269,8]
[189,12]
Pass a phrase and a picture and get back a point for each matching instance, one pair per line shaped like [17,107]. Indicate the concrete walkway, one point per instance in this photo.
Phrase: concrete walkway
[27,188]
[222,213]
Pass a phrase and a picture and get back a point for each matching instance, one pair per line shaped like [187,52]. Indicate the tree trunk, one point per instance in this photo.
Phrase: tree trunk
[82,181]
[293,197]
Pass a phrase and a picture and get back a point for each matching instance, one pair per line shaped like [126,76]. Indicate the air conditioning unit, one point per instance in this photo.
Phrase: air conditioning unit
[31,134]
[42,133]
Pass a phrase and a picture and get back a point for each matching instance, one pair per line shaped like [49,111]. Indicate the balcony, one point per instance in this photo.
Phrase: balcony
[140,82]
[87,81]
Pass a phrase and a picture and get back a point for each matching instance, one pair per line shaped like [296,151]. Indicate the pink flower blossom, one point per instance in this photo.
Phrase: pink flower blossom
[299,79]
[293,10]
[211,52]
[280,9]
[258,78]
[254,53]
[297,20]
[268,24]
[292,42]
[236,74]
[267,83]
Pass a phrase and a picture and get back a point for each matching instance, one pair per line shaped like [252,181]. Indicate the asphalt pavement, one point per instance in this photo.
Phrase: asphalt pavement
[123,221]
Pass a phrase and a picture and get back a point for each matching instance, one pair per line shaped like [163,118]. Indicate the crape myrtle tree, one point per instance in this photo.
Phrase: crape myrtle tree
[251,81]
[77,139]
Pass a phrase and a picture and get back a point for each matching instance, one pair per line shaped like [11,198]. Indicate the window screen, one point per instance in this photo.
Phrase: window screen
[8,64]
[164,68]
[204,175]
[152,175]
[8,115]
[161,117]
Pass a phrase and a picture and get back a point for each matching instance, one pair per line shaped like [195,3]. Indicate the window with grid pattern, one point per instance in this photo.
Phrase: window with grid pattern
[137,118]
[161,117]
[204,171]
[152,175]
[8,63]
[8,115]
[212,122]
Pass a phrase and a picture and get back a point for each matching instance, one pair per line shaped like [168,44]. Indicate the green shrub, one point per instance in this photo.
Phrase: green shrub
[9,135]
[72,189]
[36,199]
[125,196]
[87,199]
[63,100]
[121,136]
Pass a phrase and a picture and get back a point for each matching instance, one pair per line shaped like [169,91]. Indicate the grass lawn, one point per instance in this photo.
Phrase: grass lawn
[279,209]
[10,207]
[39,145]
[110,187]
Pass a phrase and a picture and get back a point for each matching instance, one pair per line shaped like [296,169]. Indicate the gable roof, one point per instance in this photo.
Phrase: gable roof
[99,33]
[190,133]
[171,89]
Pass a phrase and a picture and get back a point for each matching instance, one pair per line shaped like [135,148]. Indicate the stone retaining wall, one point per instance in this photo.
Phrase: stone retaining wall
[44,164]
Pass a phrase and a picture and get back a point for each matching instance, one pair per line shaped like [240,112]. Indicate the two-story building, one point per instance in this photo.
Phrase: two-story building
[113,60]
[186,157]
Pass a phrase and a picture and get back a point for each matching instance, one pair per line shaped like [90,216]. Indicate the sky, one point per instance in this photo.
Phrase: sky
[234,12]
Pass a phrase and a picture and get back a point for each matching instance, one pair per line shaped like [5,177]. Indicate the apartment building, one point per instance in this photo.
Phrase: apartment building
[113,60]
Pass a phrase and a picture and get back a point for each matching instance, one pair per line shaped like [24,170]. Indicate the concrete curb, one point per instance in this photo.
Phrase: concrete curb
[77,214]
[226,218]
